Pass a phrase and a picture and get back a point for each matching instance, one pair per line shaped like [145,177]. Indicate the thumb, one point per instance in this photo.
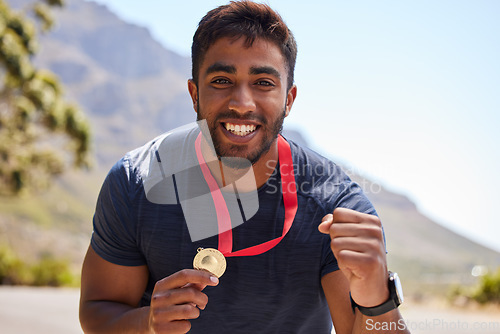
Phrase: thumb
[326,222]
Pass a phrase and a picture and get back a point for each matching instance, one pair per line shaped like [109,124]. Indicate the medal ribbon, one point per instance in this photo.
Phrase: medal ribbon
[288,188]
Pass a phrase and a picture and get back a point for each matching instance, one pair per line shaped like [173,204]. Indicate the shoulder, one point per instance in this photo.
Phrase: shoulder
[326,182]
[313,170]
[167,149]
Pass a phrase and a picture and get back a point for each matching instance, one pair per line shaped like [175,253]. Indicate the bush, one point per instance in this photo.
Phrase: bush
[49,271]
[13,271]
[52,272]
[488,290]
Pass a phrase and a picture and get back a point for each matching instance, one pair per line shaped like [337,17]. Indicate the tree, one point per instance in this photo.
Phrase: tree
[41,134]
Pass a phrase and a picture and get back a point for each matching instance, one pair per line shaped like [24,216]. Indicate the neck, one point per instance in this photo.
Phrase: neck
[248,178]
[264,168]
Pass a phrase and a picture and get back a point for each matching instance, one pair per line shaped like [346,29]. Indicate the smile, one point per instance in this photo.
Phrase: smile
[240,129]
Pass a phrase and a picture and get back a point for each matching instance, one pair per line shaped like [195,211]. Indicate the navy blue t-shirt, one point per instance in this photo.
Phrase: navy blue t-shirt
[276,292]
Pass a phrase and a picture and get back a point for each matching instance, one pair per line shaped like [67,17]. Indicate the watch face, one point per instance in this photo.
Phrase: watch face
[399,288]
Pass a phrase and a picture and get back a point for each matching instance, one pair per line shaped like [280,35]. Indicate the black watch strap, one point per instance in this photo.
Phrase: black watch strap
[395,299]
[383,308]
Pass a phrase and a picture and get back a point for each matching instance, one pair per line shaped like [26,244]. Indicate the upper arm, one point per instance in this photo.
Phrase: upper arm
[105,281]
[336,289]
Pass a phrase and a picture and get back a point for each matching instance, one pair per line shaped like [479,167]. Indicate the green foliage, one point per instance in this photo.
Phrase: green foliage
[58,3]
[12,269]
[488,290]
[40,133]
[47,272]
[52,272]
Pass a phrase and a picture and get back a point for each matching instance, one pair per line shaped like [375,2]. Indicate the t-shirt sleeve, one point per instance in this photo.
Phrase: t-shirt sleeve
[353,197]
[328,261]
[114,235]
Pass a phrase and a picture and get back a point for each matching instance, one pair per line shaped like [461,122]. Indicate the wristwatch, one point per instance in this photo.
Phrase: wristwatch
[395,299]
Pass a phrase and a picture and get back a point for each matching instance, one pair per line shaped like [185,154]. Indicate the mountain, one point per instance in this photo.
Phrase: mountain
[133,89]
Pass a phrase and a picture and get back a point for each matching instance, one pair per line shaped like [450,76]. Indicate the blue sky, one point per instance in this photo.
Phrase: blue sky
[405,92]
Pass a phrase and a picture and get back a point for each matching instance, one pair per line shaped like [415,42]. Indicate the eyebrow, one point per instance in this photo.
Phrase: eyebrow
[220,67]
[255,70]
[265,70]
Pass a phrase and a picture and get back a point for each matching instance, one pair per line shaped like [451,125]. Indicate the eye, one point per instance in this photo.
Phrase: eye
[221,81]
[265,83]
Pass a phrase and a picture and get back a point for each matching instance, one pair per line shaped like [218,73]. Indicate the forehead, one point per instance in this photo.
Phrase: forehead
[236,53]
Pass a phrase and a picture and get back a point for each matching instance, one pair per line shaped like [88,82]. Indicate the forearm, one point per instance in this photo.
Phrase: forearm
[112,317]
[390,322]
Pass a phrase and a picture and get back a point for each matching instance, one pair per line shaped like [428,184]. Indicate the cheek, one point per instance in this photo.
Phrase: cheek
[277,109]
[271,103]
[212,101]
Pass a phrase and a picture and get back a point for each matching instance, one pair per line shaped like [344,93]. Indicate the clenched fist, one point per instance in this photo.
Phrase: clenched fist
[358,245]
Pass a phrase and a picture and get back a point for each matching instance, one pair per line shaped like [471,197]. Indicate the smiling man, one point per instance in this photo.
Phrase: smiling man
[241,90]
[310,255]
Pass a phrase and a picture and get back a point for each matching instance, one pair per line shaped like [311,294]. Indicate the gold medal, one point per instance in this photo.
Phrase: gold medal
[211,260]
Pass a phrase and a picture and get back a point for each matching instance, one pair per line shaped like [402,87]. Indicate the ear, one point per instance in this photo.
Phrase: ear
[290,98]
[193,92]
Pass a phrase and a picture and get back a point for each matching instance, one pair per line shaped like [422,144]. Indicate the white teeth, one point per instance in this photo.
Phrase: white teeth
[240,130]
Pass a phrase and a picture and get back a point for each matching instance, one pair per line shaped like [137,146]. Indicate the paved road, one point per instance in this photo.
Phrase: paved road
[424,319]
[26,310]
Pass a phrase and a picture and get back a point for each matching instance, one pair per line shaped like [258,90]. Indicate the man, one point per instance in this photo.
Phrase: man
[284,276]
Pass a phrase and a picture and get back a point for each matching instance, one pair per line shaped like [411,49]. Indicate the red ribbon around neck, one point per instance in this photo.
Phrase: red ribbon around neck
[288,188]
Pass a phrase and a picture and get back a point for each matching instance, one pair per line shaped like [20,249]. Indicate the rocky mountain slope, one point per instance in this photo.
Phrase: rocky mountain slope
[133,89]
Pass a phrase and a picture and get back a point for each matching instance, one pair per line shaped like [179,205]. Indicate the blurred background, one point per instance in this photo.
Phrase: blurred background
[404,95]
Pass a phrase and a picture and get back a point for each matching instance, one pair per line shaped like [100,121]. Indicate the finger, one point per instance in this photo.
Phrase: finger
[326,222]
[178,312]
[358,264]
[176,326]
[197,286]
[343,215]
[355,244]
[179,326]
[361,230]
[180,296]
[344,230]
[183,277]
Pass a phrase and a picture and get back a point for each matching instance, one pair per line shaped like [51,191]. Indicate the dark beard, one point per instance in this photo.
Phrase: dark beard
[231,156]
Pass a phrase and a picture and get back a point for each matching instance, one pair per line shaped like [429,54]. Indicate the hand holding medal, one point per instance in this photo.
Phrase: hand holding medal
[178,298]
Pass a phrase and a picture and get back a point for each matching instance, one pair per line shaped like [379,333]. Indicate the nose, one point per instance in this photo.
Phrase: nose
[242,99]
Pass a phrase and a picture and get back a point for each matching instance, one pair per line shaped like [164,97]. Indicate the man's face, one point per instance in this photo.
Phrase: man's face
[242,95]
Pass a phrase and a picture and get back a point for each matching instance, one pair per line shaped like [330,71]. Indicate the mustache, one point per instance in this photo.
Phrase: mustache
[242,117]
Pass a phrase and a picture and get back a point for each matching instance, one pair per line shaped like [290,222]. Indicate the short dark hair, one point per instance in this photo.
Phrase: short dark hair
[243,18]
